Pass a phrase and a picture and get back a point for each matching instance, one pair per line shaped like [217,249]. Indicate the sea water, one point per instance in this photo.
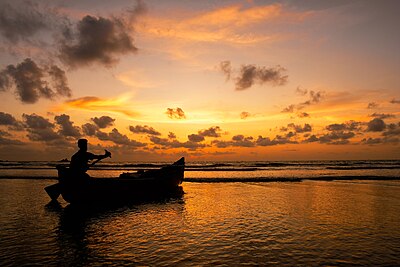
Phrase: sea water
[347,220]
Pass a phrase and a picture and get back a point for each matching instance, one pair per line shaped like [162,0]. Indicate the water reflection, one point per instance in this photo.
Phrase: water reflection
[108,233]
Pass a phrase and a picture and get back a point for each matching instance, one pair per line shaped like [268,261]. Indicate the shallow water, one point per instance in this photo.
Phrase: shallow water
[299,223]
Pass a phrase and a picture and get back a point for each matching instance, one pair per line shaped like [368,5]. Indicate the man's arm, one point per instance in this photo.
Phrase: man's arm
[106,155]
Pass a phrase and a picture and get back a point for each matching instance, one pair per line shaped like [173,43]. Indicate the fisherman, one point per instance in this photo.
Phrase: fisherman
[80,160]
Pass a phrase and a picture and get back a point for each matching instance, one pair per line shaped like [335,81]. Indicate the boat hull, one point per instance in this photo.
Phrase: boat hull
[148,185]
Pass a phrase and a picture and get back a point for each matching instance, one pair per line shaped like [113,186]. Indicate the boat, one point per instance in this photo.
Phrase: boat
[131,186]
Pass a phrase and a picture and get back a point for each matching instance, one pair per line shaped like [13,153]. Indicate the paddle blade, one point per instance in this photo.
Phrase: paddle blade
[53,191]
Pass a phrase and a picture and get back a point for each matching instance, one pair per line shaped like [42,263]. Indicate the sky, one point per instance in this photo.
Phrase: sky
[208,80]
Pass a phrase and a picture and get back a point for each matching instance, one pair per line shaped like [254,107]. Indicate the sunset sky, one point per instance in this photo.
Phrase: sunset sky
[209,80]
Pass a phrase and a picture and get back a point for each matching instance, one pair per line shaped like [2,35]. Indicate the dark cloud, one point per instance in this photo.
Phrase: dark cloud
[196,138]
[372,141]
[372,105]
[289,109]
[171,135]
[332,138]
[278,140]
[301,91]
[67,127]
[100,40]
[303,115]
[392,129]
[382,116]
[143,129]
[347,126]
[211,132]
[103,121]
[60,83]
[244,115]
[390,136]
[167,143]
[23,21]
[376,125]
[395,101]
[30,82]
[120,139]
[226,68]
[7,119]
[5,141]
[237,141]
[39,128]
[251,74]
[313,98]
[177,113]
[298,128]
[89,129]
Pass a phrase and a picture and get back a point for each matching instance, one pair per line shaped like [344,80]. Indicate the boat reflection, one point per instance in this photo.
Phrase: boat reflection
[88,233]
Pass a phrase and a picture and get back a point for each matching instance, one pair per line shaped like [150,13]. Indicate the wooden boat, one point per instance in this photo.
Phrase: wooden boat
[145,185]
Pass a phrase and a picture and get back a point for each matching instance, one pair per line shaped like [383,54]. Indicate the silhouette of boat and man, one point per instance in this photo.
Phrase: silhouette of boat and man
[76,186]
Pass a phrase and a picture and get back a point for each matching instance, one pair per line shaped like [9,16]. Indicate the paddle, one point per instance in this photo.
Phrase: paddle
[54,190]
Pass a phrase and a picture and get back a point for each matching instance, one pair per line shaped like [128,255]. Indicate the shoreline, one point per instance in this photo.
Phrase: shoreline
[240,180]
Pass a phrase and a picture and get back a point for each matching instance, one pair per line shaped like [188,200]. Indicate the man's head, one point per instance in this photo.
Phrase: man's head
[82,144]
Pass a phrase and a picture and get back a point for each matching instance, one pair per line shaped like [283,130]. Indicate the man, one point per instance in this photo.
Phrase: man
[80,160]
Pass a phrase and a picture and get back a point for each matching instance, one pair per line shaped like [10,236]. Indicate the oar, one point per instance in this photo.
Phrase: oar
[54,190]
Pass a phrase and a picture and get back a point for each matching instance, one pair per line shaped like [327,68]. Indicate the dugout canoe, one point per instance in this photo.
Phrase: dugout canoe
[146,185]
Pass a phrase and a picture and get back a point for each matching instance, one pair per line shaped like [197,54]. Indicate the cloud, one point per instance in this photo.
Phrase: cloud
[196,138]
[5,141]
[314,97]
[167,143]
[301,91]
[332,138]
[376,125]
[289,109]
[226,68]
[303,115]
[143,129]
[298,128]
[100,40]
[244,115]
[120,139]
[395,101]
[347,126]
[236,141]
[93,103]
[171,135]
[278,140]
[177,113]
[382,116]
[372,105]
[227,24]
[372,141]
[7,119]
[392,130]
[67,127]
[211,132]
[103,121]
[23,21]
[390,136]
[89,129]
[39,128]
[12,123]
[60,82]
[251,74]
[30,82]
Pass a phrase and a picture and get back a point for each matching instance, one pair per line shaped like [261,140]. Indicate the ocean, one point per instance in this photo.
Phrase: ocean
[308,213]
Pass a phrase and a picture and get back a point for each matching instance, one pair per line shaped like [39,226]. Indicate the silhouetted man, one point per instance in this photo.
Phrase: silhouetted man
[80,160]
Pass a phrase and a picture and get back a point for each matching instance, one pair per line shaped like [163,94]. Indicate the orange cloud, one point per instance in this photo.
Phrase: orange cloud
[226,24]
[93,103]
